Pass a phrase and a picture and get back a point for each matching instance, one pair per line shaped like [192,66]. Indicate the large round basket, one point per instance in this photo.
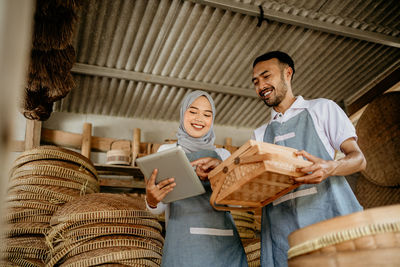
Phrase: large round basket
[371,195]
[361,237]
[378,132]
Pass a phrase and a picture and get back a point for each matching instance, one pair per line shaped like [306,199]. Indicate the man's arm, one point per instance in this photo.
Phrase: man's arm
[354,161]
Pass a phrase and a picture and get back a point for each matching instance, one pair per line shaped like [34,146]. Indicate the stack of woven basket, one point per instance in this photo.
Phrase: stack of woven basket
[252,248]
[379,138]
[105,229]
[244,221]
[41,180]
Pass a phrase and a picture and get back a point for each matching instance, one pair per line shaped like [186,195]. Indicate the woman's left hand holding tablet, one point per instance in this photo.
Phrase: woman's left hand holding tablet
[156,192]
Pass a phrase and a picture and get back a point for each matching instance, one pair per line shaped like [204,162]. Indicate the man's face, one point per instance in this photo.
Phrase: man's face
[269,81]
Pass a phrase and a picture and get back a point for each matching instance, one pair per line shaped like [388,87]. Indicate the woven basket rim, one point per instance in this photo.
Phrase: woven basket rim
[61,228]
[44,152]
[342,236]
[52,182]
[111,257]
[88,216]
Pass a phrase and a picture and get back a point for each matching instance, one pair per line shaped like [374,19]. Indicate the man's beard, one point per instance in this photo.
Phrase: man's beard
[279,97]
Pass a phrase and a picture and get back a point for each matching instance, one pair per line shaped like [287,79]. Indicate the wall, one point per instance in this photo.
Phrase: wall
[151,131]
[122,128]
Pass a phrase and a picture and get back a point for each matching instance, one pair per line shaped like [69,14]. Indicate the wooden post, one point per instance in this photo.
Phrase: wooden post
[228,141]
[86,139]
[32,134]
[135,145]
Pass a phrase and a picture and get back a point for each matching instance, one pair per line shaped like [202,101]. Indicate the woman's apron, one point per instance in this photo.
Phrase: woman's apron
[307,204]
[198,235]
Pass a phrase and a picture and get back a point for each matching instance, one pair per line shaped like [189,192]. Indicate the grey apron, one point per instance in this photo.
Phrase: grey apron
[332,197]
[198,235]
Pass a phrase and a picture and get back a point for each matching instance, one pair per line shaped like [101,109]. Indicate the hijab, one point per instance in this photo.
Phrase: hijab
[187,142]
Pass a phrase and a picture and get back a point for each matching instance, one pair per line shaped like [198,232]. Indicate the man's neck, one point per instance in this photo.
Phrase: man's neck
[286,103]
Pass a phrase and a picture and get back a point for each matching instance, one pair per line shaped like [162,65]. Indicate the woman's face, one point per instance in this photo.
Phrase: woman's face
[197,119]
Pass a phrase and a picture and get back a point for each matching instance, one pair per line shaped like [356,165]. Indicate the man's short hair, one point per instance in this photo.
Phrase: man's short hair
[281,56]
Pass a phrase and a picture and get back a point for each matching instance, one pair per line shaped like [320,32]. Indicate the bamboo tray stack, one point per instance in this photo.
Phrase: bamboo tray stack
[254,175]
[244,221]
[105,229]
[365,238]
[252,248]
[41,180]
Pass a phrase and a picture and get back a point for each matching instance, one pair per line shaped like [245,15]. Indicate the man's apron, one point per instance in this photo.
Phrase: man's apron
[307,204]
[198,235]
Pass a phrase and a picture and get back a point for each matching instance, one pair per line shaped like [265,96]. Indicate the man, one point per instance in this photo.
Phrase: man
[316,128]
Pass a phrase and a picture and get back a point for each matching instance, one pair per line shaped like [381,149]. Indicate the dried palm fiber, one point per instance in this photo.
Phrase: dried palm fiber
[378,132]
[54,26]
[43,63]
[35,105]
[49,72]
[55,153]
[371,195]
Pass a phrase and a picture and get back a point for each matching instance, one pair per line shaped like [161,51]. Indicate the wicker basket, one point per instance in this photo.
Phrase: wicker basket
[119,156]
[255,175]
[378,132]
[374,230]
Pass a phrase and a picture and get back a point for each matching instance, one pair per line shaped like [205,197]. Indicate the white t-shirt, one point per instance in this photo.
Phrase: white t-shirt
[161,207]
[331,123]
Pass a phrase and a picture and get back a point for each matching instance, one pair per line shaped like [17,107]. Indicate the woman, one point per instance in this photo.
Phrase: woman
[196,234]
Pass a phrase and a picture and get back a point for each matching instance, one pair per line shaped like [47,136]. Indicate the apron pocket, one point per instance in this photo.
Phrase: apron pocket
[211,231]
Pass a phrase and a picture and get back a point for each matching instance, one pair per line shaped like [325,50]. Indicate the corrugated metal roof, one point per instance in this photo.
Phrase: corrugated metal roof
[139,58]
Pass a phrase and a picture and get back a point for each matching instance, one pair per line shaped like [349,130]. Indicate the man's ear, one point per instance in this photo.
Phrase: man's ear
[288,73]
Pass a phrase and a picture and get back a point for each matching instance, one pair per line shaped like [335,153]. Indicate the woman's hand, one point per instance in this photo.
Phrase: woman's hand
[204,166]
[156,192]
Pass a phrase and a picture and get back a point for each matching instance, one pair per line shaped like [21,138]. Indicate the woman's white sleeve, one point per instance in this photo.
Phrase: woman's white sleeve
[158,210]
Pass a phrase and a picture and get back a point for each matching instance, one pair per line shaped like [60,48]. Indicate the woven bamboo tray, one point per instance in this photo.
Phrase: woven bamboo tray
[378,131]
[54,153]
[255,175]
[372,229]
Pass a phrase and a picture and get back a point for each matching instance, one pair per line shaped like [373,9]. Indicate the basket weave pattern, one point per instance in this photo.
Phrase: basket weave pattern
[104,229]
[41,180]
[254,175]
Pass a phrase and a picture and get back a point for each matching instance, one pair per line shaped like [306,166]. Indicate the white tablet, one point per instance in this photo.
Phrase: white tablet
[173,163]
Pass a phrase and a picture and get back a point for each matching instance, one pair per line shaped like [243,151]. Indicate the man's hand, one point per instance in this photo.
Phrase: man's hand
[204,166]
[316,173]
[156,192]
[354,161]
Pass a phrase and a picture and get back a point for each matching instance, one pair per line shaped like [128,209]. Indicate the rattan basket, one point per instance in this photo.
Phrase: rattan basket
[370,230]
[371,195]
[255,175]
[378,131]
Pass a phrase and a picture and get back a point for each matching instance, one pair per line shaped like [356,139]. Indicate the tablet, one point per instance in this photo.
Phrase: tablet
[172,163]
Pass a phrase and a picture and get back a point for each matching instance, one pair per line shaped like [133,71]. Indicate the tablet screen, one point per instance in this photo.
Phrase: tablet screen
[172,163]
